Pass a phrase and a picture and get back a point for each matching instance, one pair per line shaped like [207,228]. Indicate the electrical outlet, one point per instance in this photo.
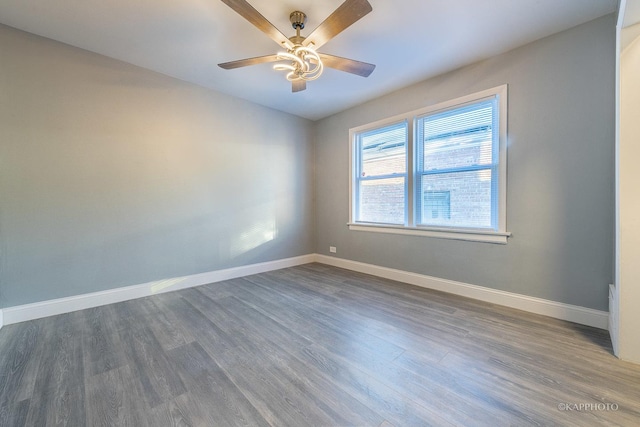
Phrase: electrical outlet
[332,249]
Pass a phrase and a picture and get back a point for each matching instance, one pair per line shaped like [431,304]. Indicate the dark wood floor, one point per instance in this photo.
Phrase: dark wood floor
[311,346]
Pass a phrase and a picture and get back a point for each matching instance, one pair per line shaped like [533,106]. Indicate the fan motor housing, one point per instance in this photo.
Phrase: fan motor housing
[298,19]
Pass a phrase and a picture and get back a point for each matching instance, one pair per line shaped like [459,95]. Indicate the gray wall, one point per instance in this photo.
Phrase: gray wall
[560,173]
[111,175]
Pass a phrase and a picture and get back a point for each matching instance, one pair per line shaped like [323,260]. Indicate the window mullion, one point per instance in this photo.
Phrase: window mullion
[411,175]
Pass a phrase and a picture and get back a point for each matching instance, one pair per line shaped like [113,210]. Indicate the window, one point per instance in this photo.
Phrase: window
[382,175]
[439,171]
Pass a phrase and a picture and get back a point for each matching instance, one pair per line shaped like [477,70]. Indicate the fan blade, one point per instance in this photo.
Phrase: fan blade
[349,65]
[249,61]
[298,85]
[249,13]
[345,15]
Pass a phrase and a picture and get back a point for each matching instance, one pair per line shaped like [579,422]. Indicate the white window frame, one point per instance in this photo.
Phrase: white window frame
[498,235]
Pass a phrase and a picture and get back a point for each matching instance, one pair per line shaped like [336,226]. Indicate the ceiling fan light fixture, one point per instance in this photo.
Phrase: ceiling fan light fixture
[301,60]
[304,63]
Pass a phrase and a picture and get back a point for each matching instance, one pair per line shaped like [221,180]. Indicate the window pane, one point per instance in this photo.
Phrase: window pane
[458,199]
[458,138]
[384,151]
[381,200]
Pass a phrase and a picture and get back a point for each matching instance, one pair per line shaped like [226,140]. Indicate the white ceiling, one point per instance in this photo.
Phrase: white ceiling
[408,40]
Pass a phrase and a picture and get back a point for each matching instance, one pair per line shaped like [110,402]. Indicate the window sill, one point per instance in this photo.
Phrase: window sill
[455,234]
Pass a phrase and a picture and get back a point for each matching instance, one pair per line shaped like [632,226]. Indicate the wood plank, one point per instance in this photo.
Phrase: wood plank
[114,400]
[58,395]
[14,414]
[18,362]
[103,349]
[165,325]
[154,375]
[213,398]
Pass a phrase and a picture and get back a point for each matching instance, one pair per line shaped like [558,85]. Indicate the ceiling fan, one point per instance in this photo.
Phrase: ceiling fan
[301,60]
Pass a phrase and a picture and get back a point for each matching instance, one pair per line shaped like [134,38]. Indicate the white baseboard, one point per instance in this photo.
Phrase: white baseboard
[558,310]
[38,310]
[572,313]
